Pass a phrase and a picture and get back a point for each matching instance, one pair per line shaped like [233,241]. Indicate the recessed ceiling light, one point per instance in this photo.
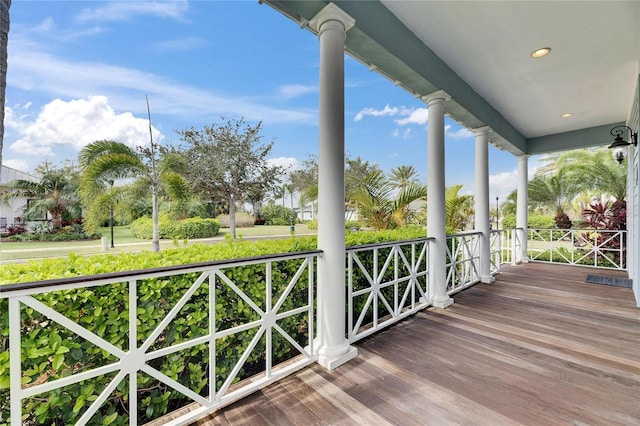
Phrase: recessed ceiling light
[567,115]
[539,53]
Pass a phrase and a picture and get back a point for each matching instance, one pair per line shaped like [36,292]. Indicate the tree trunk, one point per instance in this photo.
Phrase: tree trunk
[232,216]
[155,241]
[4,37]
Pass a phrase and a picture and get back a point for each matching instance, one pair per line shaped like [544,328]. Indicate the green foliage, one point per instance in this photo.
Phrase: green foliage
[58,236]
[243,220]
[535,221]
[187,228]
[312,224]
[51,351]
[274,214]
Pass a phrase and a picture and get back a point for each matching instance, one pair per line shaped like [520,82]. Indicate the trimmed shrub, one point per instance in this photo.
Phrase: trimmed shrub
[188,228]
[243,220]
[536,221]
[52,351]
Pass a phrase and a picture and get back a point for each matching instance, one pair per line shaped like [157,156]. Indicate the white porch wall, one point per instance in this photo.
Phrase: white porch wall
[633,201]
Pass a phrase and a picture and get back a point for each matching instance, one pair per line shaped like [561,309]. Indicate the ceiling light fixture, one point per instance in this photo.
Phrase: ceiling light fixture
[539,53]
[567,115]
[619,145]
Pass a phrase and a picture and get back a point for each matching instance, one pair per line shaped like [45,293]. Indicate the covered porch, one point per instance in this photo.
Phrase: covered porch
[538,346]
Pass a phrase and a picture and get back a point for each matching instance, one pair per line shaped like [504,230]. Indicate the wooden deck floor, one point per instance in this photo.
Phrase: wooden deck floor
[540,346]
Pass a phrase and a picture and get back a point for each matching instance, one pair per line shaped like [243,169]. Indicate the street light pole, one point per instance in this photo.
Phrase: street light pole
[497,214]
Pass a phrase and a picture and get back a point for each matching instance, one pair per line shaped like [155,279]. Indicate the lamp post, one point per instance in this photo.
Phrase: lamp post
[111,214]
[497,214]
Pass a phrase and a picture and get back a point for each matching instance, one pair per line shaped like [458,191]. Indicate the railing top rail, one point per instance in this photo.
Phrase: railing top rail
[6,290]
[464,234]
[387,244]
[530,228]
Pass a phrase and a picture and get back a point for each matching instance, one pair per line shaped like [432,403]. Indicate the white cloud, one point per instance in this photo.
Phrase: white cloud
[76,123]
[295,90]
[462,133]
[180,44]
[502,184]
[386,111]
[17,164]
[126,88]
[288,163]
[127,10]
[404,134]
[417,116]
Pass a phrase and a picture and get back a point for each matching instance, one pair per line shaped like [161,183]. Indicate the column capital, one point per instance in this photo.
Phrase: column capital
[484,130]
[440,94]
[523,156]
[331,12]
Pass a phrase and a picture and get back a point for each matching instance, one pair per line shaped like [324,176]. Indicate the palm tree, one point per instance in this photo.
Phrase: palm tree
[54,193]
[555,192]
[104,162]
[593,169]
[5,5]
[373,196]
[401,176]
[458,208]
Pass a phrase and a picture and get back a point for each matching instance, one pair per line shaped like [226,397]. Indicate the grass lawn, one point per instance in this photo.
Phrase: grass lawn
[125,242]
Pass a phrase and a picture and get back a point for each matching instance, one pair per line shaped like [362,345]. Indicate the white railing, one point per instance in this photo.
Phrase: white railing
[244,320]
[585,247]
[463,260]
[385,283]
[511,245]
[495,251]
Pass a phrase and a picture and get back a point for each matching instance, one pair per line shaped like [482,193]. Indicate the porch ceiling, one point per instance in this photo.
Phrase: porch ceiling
[479,53]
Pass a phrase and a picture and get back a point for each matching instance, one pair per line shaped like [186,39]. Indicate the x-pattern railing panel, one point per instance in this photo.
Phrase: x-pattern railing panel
[392,280]
[463,257]
[495,250]
[138,357]
[584,247]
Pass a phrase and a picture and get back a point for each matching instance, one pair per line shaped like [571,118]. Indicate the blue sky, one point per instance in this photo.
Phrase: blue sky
[78,71]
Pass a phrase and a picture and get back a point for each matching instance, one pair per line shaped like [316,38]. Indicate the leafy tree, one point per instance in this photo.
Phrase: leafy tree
[5,5]
[357,171]
[55,192]
[306,182]
[229,160]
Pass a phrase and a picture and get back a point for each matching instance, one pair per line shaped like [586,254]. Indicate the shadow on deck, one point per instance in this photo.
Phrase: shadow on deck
[538,346]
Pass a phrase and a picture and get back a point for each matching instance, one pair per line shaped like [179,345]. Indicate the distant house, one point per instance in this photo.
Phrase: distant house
[12,211]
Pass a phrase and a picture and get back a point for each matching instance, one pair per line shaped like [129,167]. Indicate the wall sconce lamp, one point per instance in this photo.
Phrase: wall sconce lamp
[619,145]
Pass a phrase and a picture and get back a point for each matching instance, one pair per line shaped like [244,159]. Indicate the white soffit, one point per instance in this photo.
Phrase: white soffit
[591,71]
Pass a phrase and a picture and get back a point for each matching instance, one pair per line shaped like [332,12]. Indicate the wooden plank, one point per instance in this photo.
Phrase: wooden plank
[538,346]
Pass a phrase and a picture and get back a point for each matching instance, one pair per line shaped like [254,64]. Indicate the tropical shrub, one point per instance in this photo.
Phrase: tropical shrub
[562,221]
[274,214]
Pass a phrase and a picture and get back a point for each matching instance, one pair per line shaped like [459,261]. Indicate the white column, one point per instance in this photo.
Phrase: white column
[436,224]
[522,208]
[333,348]
[482,203]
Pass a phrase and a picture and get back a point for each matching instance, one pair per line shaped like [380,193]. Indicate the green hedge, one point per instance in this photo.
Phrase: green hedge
[536,221]
[188,228]
[51,351]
